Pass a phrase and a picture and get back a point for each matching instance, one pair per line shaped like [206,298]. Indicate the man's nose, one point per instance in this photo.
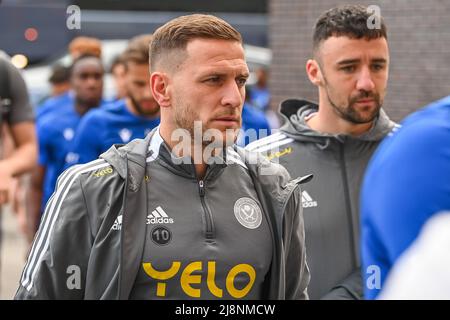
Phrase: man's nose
[365,81]
[232,95]
[94,81]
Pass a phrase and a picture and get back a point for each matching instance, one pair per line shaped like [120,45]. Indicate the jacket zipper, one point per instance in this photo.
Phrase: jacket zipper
[209,232]
[348,206]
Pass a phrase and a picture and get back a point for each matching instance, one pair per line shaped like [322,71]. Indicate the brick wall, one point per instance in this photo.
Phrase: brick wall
[419,42]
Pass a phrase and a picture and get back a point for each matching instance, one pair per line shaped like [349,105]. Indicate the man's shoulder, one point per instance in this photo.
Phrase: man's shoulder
[423,133]
[272,142]
[261,167]
[105,114]
[433,119]
[93,174]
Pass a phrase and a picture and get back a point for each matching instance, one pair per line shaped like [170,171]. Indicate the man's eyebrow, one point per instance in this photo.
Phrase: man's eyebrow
[379,60]
[224,74]
[353,61]
[348,61]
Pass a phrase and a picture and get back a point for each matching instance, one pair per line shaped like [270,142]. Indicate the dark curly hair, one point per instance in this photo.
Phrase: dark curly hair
[346,20]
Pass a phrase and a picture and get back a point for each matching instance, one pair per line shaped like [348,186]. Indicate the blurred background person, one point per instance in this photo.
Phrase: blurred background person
[406,183]
[259,95]
[57,128]
[118,73]
[18,154]
[80,46]
[77,47]
[252,119]
[124,120]
[422,272]
[59,80]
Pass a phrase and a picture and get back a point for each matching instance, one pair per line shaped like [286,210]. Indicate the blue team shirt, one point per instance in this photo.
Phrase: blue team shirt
[56,127]
[260,98]
[55,132]
[407,181]
[101,128]
[54,104]
[252,118]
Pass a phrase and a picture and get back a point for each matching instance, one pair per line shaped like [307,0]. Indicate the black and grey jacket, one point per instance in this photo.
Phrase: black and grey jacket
[94,225]
[331,199]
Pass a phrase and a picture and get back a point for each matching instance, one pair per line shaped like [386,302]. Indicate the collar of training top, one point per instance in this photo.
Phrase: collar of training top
[184,166]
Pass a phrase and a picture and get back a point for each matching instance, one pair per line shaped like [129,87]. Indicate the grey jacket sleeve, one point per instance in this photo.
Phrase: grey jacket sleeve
[57,263]
[349,289]
[296,268]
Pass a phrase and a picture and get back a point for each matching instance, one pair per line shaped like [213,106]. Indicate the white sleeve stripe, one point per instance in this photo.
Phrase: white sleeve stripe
[265,141]
[41,244]
[36,236]
[274,145]
[38,239]
[55,217]
[44,219]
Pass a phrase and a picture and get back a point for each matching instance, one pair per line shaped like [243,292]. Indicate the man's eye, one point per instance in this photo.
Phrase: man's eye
[213,79]
[378,67]
[241,81]
[348,69]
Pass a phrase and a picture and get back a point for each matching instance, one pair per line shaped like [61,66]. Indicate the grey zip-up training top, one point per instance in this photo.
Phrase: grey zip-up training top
[93,241]
[331,199]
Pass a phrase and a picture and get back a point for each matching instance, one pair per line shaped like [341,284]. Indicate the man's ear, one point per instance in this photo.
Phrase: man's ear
[158,84]
[314,73]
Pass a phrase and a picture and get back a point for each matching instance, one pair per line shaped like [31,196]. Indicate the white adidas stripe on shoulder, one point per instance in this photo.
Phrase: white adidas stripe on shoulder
[42,239]
[265,141]
[273,145]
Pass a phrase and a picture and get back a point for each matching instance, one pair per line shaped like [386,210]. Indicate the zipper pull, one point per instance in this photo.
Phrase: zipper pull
[202,188]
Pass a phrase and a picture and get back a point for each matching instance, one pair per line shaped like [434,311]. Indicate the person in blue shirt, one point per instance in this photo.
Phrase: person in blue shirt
[51,104]
[56,129]
[125,120]
[259,94]
[252,119]
[406,183]
[60,95]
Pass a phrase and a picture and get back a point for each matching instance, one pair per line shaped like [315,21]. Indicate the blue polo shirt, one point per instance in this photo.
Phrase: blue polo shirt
[101,128]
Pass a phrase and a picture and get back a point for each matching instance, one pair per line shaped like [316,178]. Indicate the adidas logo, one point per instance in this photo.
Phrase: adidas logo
[307,201]
[158,216]
[117,223]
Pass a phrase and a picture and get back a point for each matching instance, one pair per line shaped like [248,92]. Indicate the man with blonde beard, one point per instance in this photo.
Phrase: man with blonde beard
[158,222]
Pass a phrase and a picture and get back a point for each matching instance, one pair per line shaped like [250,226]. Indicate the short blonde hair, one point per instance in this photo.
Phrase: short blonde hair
[175,34]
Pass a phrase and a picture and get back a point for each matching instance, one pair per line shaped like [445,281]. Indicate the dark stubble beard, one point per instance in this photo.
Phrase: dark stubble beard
[351,114]
[141,111]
